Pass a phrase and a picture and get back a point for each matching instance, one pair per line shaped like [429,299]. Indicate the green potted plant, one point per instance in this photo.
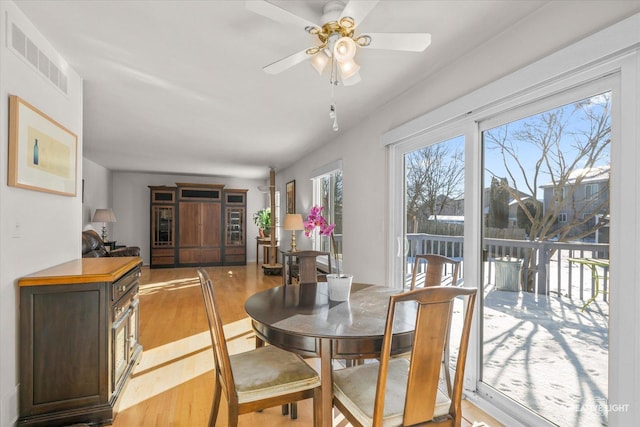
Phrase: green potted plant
[262,219]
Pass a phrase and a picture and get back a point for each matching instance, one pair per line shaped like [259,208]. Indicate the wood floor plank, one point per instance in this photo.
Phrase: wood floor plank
[173,384]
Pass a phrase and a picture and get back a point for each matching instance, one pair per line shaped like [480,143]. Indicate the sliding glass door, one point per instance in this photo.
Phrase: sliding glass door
[545,240]
[542,198]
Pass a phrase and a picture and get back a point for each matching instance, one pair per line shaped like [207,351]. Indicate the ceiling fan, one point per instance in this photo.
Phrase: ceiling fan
[338,40]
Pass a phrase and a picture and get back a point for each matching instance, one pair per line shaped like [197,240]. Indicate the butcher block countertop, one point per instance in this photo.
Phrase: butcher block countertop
[82,270]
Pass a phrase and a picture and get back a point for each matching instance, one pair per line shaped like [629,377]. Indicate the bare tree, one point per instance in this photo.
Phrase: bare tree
[434,178]
[568,153]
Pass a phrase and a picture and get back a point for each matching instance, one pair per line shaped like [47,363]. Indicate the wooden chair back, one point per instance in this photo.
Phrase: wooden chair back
[222,363]
[435,269]
[288,378]
[433,319]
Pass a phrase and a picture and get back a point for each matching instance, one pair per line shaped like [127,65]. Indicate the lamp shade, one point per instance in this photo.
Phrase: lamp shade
[293,222]
[104,215]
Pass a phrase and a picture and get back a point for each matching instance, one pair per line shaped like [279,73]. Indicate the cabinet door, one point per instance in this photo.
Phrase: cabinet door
[190,224]
[53,320]
[134,334]
[235,227]
[211,224]
[162,226]
[120,351]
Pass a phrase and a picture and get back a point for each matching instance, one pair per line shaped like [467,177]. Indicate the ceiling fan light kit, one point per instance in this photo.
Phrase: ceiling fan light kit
[338,43]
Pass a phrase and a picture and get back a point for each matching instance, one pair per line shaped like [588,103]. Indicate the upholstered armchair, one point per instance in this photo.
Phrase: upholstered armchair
[93,247]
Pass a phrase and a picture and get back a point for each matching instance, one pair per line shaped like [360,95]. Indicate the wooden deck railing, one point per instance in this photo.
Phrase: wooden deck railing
[550,271]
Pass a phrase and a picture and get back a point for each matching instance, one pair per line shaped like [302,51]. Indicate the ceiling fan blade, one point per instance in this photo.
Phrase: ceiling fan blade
[413,42]
[271,11]
[288,62]
[358,10]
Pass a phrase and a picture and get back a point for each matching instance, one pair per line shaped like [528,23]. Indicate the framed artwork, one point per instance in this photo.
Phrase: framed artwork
[291,197]
[42,153]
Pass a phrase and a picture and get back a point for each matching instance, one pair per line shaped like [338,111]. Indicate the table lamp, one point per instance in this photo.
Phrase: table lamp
[104,216]
[294,223]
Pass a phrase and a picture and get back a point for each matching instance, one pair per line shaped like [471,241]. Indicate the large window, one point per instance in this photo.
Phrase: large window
[327,192]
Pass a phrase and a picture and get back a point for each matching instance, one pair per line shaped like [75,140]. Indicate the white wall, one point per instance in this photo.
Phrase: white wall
[97,192]
[131,198]
[364,197]
[37,230]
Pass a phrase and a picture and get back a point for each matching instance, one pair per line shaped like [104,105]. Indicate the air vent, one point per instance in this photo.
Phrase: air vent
[28,50]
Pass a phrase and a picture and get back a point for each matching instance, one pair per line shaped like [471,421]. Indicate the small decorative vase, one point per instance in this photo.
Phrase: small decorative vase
[339,286]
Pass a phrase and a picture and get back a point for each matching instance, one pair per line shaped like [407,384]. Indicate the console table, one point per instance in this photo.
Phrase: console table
[112,245]
[265,242]
[307,268]
[78,340]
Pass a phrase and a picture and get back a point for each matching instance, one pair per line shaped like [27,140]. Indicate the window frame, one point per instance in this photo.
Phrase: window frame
[589,193]
[324,172]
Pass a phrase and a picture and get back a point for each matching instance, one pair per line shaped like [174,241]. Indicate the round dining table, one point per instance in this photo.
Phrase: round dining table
[301,318]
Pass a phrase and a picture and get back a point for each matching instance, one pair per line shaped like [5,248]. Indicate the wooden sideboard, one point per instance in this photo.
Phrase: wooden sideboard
[78,340]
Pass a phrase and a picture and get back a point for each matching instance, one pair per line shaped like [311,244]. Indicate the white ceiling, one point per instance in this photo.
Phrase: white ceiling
[177,86]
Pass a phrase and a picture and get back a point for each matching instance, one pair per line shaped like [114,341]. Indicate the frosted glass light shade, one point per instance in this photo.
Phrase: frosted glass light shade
[344,49]
[319,61]
[348,68]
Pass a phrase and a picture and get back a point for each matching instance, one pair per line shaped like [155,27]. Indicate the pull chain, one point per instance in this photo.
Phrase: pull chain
[333,114]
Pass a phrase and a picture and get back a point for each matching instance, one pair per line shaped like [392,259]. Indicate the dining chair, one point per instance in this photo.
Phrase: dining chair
[436,265]
[257,379]
[435,268]
[398,391]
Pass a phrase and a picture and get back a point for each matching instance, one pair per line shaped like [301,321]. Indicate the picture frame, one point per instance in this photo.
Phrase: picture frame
[291,197]
[42,153]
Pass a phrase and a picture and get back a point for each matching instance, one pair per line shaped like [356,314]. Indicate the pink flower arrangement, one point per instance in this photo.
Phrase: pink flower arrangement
[315,219]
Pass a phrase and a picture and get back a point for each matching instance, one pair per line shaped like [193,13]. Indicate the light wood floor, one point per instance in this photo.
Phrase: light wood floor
[173,384]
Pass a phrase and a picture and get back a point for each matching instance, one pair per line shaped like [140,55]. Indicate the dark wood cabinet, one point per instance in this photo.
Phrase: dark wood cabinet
[78,340]
[198,224]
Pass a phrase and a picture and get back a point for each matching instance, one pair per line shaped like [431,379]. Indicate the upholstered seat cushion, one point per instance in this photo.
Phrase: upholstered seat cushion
[356,389]
[269,371]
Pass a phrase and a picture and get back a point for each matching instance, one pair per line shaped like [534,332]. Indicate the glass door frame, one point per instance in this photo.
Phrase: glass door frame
[552,100]
[577,65]
[397,216]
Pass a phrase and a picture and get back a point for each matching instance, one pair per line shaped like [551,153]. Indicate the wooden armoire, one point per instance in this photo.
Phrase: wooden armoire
[197,225]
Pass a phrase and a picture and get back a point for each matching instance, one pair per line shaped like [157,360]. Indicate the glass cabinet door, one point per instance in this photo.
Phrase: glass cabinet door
[162,226]
[234,233]
[119,353]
